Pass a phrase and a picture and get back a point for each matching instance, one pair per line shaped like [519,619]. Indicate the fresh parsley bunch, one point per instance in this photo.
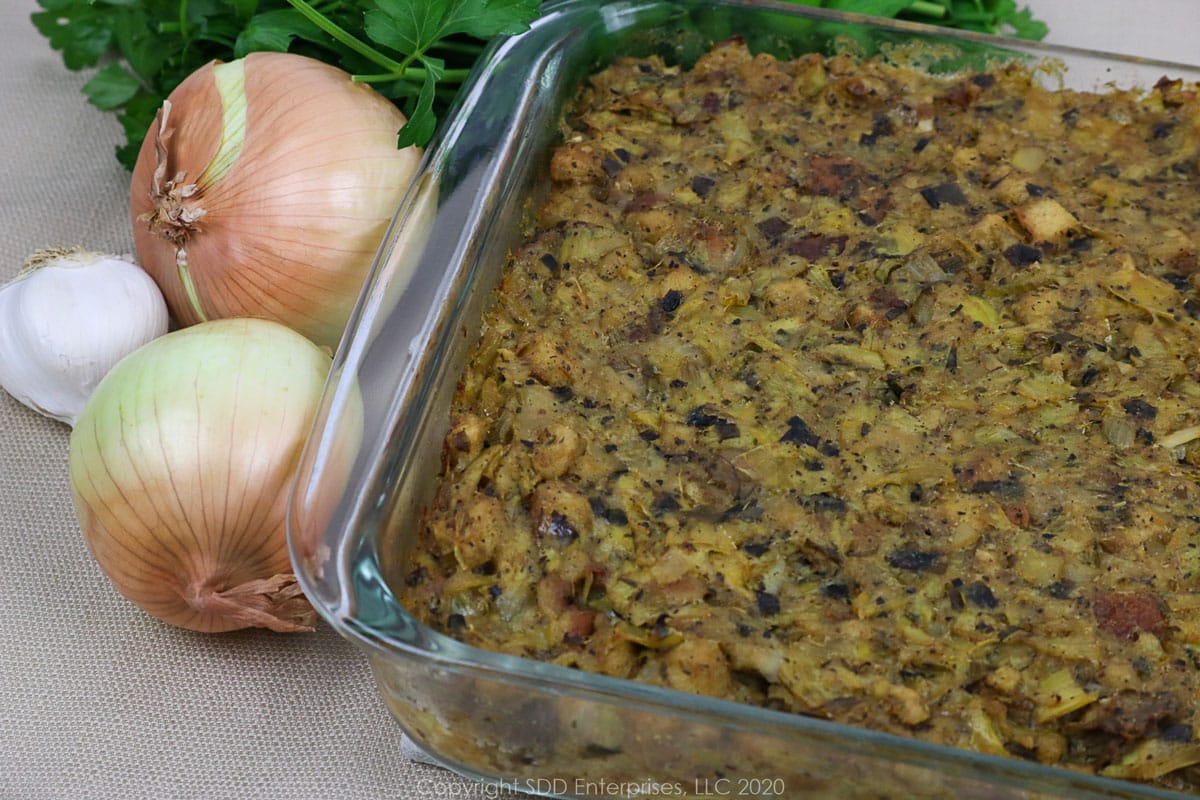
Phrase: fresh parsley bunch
[414,52]
[984,16]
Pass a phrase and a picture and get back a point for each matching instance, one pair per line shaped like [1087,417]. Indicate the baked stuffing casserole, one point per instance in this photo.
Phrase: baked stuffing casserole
[835,387]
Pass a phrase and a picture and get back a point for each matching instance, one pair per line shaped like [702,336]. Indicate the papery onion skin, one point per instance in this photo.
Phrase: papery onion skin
[290,228]
[181,465]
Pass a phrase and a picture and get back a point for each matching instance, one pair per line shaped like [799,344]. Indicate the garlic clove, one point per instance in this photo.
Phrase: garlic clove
[66,320]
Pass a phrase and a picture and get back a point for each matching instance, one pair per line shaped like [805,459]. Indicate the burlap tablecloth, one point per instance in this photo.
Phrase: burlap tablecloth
[98,700]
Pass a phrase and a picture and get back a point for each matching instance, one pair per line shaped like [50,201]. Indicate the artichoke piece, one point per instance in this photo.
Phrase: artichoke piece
[1059,694]
[1133,286]
[1153,758]
[851,355]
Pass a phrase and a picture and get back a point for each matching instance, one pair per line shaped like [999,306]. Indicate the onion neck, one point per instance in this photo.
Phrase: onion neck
[175,212]
[230,80]
[176,203]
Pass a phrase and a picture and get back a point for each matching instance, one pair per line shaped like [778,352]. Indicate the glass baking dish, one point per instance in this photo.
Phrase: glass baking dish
[372,461]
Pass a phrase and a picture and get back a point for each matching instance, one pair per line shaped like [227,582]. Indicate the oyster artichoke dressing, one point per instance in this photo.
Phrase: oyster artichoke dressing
[834,387]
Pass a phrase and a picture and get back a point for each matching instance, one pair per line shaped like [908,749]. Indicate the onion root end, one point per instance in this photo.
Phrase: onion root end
[276,603]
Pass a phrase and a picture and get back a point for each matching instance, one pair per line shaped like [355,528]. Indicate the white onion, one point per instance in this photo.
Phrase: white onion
[181,465]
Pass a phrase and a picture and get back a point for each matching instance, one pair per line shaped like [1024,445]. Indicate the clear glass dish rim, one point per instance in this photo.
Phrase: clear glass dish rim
[403,637]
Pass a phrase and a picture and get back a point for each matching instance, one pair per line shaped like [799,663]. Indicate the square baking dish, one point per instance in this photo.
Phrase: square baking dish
[372,462]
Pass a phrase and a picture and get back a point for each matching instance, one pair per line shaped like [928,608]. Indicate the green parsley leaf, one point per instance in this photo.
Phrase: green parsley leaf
[414,26]
[274,31]
[405,25]
[877,8]
[985,16]
[421,124]
[143,53]
[483,19]
[80,33]
[111,87]
[1024,26]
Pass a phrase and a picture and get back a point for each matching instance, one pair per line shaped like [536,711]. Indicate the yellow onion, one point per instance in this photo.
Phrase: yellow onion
[264,189]
[181,465]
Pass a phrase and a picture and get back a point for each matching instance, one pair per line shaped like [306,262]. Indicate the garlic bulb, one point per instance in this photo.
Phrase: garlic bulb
[66,320]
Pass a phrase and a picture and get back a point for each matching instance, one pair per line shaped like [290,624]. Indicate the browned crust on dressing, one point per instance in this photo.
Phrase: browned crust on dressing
[836,388]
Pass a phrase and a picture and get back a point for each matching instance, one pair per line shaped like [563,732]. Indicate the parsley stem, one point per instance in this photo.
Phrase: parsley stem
[183,23]
[341,35]
[927,9]
[414,74]
[467,48]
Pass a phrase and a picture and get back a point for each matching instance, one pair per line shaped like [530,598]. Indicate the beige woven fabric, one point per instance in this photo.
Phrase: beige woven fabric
[97,700]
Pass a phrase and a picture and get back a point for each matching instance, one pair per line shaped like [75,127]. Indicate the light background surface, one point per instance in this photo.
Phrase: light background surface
[96,699]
